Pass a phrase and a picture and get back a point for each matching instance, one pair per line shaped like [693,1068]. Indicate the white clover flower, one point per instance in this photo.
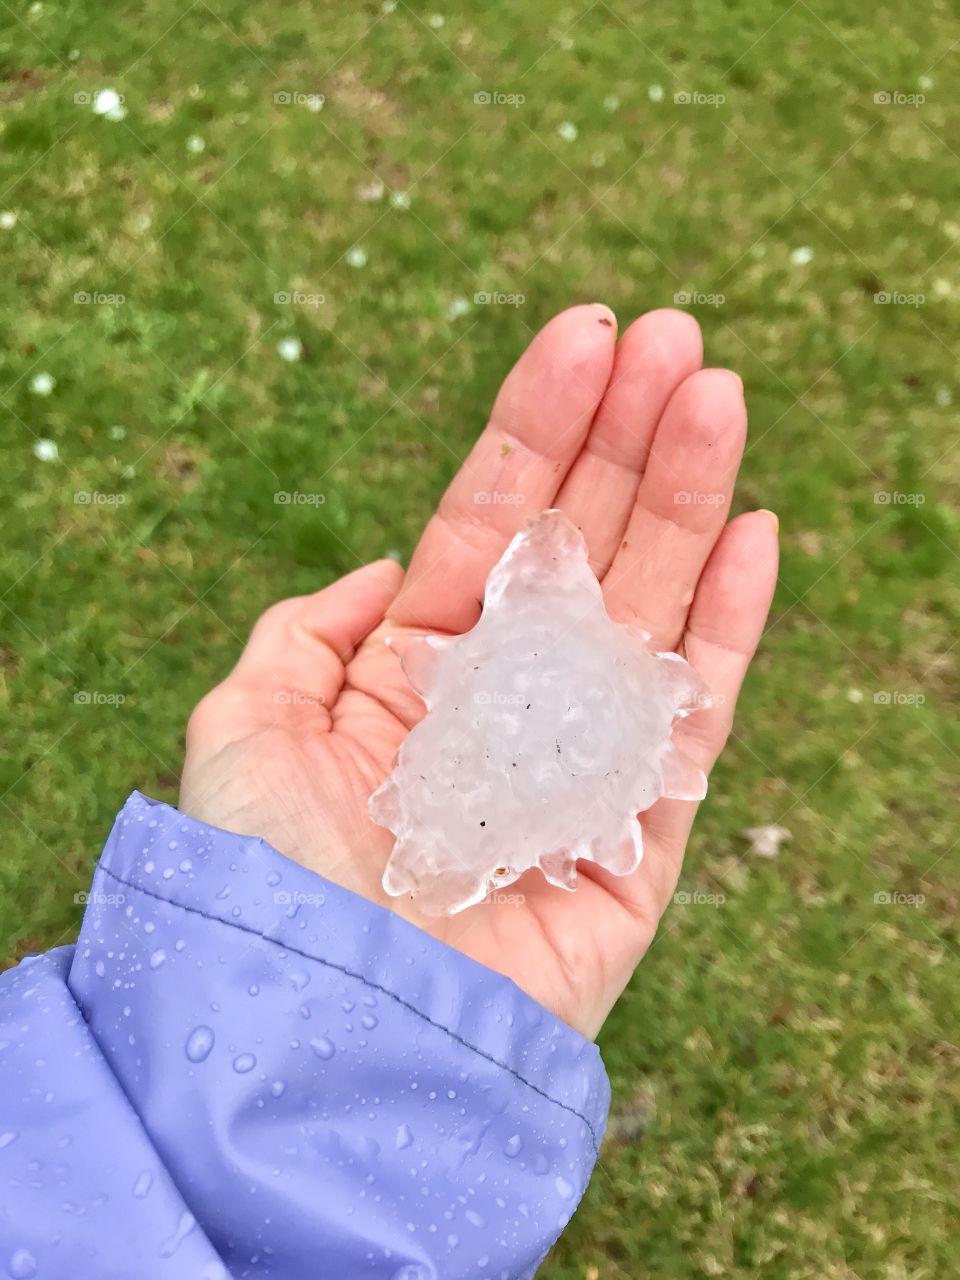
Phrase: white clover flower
[41,384]
[567,131]
[801,256]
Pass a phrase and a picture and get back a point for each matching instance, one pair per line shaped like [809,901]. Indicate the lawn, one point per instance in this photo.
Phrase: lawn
[398,197]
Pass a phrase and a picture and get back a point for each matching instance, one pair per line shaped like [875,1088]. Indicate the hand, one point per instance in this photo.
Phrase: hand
[640,447]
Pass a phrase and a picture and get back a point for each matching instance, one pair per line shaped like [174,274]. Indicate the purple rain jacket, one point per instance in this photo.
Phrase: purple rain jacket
[244,1070]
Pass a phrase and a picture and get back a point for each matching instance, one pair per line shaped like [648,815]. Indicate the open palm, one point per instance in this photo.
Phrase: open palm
[640,447]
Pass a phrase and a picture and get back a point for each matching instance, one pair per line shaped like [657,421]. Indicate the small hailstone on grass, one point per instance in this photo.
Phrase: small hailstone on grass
[41,384]
[655,93]
[801,256]
[290,349]
[389,6]
[107,102]
[8,220]
[356,257]
[195,144]
[437,20]
[611,103]
[46,450]
[400,200]
[944,397]
[855,696]
[567,131]
[457,308]
[118,433]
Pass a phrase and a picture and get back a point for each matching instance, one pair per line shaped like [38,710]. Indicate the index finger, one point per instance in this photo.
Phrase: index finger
[539,422]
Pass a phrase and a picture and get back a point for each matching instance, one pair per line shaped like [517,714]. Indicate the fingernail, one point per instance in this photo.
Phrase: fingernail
[608,316]
[773,516]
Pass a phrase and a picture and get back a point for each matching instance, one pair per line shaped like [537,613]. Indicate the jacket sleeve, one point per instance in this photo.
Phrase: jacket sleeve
[243,1070]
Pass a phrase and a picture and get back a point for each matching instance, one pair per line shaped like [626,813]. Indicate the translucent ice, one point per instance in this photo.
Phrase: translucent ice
[547,731]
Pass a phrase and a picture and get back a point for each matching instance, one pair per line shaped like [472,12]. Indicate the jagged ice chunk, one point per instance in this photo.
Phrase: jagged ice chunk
[547,731]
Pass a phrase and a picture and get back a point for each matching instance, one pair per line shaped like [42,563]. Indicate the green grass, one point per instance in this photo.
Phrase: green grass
[784,1081]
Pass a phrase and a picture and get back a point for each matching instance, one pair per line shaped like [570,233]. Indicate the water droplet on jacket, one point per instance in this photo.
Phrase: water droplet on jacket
[7,1138]
[348,1006]
[186,865]
[199,1043]
[404,1137]
[100,969]
[413,1271]
[513,1145]
[563,1187]
[184,1227]
[143,1184]
[224,892]
[253,989]
[474,1218]
[323,1047]
[243,1063]
[300,978]
[278,1088]
[22,1265]
[369,1021]
[274,878]
[157,959]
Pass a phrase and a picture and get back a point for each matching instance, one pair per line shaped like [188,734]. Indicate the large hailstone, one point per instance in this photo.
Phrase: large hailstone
[547,731]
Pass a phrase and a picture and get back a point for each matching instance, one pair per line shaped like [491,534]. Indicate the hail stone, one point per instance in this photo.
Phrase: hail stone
[547,731]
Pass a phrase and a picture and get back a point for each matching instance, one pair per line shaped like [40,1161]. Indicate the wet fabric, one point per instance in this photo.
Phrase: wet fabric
[244,1070]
